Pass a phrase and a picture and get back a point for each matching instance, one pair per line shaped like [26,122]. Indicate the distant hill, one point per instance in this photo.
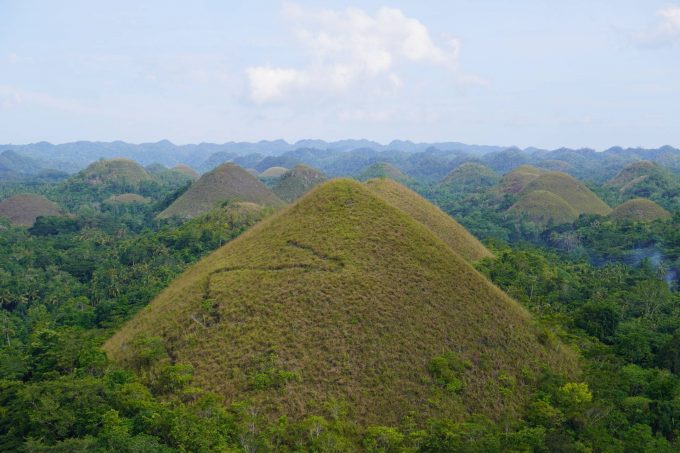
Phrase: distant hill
[187,170]
[344,297]
[639,210]
[297,181]
[119,173]
[127,198]
[574,192]
[228,182]
[515,181]
[382,170]
[644,179]
[273,172]
[446,228]
[544,208]
[23,209]
[467,177]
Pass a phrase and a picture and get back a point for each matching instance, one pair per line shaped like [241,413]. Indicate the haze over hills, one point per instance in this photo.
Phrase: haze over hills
[228,182]
[269,304]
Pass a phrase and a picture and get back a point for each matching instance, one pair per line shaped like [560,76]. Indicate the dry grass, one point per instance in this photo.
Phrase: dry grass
[544,208]
[382,170]
[470,174]
[633,174]
[356,297]
[114,171]
[187,170]
[639,210]
[440,223]
[517,180]
[273,172]
[228,182]
[23,209]
[298,181]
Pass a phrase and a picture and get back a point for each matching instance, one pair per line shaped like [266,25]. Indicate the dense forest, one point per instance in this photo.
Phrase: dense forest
[602,283]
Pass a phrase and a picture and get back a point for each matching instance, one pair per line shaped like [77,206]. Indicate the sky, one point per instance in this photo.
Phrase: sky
[544,73]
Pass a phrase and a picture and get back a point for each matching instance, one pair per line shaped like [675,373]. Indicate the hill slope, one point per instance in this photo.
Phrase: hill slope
[544,208]
[469,176]
[23,209]
[441,224]
[639,210]
[356,312]
[115,173]
[226,182]
[297,181]
[517,180]
[574,192]
[382,170]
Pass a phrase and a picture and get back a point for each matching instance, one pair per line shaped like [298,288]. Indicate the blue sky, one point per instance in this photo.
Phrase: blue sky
[544,73]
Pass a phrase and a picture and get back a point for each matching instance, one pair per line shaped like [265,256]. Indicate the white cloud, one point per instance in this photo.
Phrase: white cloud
[349,47]
[665,32]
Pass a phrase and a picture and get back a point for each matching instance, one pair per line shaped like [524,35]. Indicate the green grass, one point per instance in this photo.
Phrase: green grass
[127,198]
[23,209]
[382,170]
[440,223]
[298,181]
[343,296]
[633,174]
[574,192]
[228,182]
[544,208]
[639,210]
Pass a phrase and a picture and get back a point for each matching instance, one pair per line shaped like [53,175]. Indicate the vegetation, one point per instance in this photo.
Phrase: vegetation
[228,182]
[297,181]
[468,177]
[544,208]
[382,170]
[639,210]
[273,172]
[575,193]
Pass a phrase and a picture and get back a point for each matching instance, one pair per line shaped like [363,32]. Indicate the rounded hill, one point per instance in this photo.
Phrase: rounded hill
[633,174]
[382,170]
[639,210]
[544,208]
[517,180]
[227,182]
[187,170]
[574,192]
[469,176]
[273,172]
[444,226]
[23,209]
[344,297]
[114,172]
[297,181]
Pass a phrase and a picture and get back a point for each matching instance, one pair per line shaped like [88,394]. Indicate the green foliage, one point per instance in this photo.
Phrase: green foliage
[446,370]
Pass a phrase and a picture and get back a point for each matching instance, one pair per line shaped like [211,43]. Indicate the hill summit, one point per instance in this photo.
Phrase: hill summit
[297,181]
[382,170]
[344,297]
[114,172]
[469,176]
[639,210]
[23,209]
[227,182]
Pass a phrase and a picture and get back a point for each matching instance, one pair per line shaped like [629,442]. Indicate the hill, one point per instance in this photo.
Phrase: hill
[228,182]
[297,181]
[516,180]
[126,198]
[273,172]
[119,173]
[632,174]
[468,177]
[574,192]
[639,210]
[23,209]
[645,179]
[382,170]
[187,170]
[343,297]
[544,208]
[444,226]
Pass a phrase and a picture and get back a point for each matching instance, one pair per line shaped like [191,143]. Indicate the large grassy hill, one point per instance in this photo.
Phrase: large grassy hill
[445,227]
[344,297]
[639,210]
[544,208]
[114,172]
[228,182]
[469,176]
[297,181]
[515,181]
[23,209]
[574,192]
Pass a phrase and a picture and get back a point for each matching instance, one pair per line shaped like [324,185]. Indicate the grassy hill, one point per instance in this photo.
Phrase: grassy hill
[114,173]
[273,172]
[515,181]
[633,174]
[648,180]
[440,223]
[228,182]
[187,170]
[297,181]
[344,297]
[544,208]
[574,192]
[639,210]
[467,177]
[23,209]
[382,170]
[127,198]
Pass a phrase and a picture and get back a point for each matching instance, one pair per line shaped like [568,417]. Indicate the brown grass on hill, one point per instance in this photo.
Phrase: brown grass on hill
[273,172]
[639,210]
[382,170]
[227,182]
[344,297]
[187,170]
[443,225]
[297,181]
[117,171]
[574,192]
[633,174]
[23,209]
[516,180]
[544,208]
